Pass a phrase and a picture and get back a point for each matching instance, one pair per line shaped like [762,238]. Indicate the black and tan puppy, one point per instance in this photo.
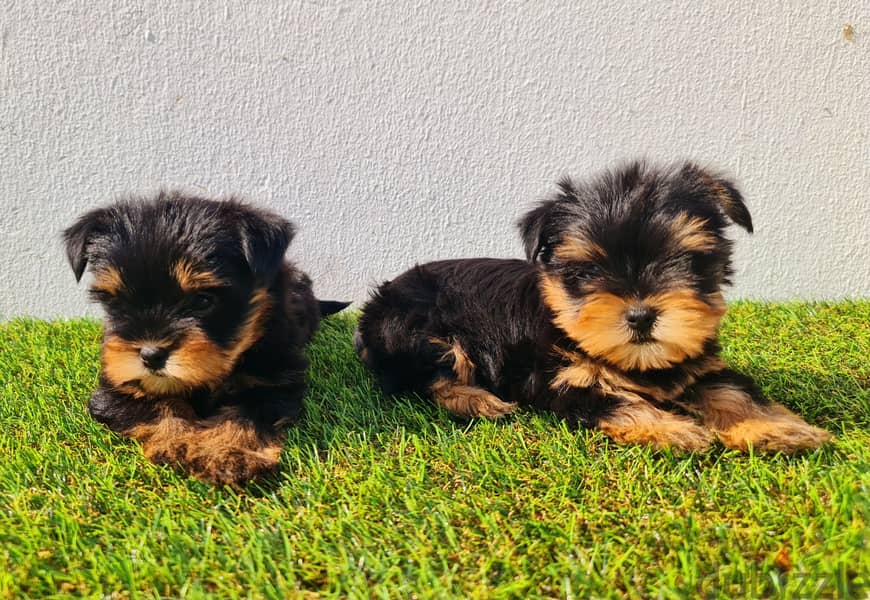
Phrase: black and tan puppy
[612,323]
[202,357]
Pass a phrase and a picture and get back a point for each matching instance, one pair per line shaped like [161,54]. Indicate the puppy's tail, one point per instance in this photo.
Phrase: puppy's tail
[329,307]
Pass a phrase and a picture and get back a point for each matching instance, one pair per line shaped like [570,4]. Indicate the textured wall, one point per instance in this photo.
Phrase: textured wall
[393,132]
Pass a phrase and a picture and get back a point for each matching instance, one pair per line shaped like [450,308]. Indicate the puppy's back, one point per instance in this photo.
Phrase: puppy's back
[482,303]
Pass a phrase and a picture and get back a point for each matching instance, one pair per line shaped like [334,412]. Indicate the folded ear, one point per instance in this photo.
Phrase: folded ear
[725,194]
[731,202]
[78,237]
[534,227]
[265,238]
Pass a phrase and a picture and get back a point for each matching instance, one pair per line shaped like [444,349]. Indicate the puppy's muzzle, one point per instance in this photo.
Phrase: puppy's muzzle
[641,319]
[154,357]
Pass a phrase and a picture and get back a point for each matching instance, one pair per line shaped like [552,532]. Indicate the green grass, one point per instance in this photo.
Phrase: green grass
[391,498]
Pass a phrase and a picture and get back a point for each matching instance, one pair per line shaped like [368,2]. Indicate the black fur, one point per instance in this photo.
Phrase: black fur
[475,300]
[142,242]
[648,232]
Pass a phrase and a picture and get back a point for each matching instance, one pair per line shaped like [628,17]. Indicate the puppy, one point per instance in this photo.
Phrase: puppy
[205,325]
[611,323]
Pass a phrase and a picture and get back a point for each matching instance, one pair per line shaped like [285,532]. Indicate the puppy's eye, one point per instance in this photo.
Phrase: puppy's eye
[585,272]
[203,302]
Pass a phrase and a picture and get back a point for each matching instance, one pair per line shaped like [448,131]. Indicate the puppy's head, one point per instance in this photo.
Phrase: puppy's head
[632,264]
[183,282]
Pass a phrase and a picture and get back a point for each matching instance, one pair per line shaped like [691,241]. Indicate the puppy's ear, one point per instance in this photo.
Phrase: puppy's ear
[265,238]
[534,229]
[731,202]
[725,194]
[78,237]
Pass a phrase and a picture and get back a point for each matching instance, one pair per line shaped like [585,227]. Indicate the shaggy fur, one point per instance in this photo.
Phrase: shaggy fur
[205,325]
[611,323]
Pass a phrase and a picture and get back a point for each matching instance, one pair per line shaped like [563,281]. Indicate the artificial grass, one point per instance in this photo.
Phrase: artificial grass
[387,497]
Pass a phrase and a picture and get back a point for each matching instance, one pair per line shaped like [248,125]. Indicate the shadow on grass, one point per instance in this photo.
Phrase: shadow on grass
[834,401]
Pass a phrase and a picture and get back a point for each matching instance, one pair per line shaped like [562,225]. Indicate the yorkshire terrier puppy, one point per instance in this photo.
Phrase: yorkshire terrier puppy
[611,323]
[205,326]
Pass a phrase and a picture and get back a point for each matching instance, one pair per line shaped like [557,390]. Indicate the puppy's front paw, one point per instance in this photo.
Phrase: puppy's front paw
[470,401]
[166,453]
[776,429]
[114,410]
[693,438]
[233,466]
[638,422]
[681,436]
[99,405]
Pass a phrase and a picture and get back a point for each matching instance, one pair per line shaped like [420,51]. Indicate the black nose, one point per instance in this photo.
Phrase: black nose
[154,357]
[641,319]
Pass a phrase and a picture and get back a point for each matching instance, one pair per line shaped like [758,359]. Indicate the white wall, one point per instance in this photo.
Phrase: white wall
[395,132]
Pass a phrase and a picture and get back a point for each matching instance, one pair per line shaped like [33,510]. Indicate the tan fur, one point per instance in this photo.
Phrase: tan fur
[581,374]
[740,422]
[463,366]
[131,390]
[225,449]
[469,401]
[196,362]
[565,308]
[190,279]
[597,323]
[579,249]
[685,321]
[201,362]
[692,234]
[640,422]
[108,280]
[163,439]
[719,192]
[584,372]
[252,330]
[728,411]
[121,362]
[228,450]
[159,385]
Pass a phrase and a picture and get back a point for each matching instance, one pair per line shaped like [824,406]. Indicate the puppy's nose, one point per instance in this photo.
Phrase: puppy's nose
[154,357]
[641,319]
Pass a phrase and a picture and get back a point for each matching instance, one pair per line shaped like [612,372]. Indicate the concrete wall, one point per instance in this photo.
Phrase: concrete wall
[395,132]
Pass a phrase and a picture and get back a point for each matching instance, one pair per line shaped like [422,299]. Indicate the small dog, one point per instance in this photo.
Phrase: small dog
[612,322]
[202,355]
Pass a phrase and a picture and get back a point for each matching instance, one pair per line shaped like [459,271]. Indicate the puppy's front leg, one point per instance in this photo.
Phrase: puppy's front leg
[624,416]
[118,411]
[165,437]
[635,420]
[162,427]
[732,406]
[455,390]
[244,440]
[225,449]
[228,449]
